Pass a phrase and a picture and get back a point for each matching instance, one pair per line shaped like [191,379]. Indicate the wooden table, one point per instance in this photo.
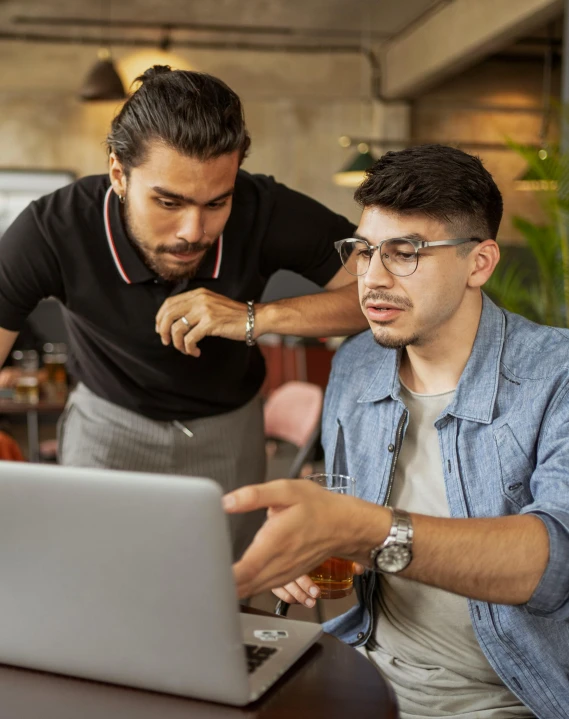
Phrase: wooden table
[332,681]
[32,412]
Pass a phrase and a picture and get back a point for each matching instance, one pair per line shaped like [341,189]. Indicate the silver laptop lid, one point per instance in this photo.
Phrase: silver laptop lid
[119,576]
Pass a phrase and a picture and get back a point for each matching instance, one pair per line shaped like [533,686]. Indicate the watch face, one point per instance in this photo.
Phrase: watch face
[393,559]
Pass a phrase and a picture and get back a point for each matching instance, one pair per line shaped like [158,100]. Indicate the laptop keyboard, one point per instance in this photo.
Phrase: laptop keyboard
[257,655]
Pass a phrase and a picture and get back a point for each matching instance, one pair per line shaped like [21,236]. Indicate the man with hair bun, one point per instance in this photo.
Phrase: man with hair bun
[159,267]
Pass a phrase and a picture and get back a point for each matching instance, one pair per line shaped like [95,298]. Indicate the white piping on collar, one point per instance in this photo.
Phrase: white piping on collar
[114,253]
[218,258]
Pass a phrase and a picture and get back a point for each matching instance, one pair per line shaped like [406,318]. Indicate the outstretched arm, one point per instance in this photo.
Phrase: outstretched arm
[499,560]
[336,312]
[7,375]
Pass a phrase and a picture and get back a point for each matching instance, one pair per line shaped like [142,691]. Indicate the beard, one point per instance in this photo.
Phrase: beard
[379,329]
[395,343]
[154,258]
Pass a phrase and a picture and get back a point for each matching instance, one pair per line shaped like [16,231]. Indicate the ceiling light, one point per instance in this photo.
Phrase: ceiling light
[103,81]
[135,64]
[542,170]
[353,174]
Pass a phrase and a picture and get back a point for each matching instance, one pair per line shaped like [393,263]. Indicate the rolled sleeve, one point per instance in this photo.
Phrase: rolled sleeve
[550,489]
[551,597]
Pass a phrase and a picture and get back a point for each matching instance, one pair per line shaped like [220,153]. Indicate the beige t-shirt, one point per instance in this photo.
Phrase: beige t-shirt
[427,648]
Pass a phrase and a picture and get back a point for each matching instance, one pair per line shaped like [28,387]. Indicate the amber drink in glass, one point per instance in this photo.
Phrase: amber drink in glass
[335,576]
[27,384]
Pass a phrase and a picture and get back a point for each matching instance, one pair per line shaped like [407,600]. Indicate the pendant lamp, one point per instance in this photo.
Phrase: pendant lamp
[543,168]
[353,174]
[103,81]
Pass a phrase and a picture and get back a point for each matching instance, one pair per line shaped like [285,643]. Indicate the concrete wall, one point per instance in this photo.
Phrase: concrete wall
[496,100]
[296,107]
[454,36]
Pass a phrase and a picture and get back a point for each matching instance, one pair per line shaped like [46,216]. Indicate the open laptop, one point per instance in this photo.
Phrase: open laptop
[126,577]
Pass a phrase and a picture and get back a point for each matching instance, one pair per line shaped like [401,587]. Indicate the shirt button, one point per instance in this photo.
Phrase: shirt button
[360,635]
[391,447]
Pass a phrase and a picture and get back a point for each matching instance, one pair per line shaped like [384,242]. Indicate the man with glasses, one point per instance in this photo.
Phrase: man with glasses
[453,416]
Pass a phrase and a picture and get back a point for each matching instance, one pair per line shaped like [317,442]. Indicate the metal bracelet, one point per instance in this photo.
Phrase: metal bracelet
[250,326]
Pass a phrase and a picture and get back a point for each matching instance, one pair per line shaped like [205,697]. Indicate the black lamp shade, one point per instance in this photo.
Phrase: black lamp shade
[103,82]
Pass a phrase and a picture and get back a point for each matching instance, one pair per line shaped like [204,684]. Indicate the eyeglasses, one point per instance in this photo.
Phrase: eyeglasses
[400,255]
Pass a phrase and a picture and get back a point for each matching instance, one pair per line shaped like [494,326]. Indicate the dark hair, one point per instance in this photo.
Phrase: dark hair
[440,182]
[191,112]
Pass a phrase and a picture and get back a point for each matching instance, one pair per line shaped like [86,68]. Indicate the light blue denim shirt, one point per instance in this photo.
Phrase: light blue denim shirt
[504,443]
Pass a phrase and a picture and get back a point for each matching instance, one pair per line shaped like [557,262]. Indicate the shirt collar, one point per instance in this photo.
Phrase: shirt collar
[128,263]
[478,386]
[385,382]
[475,394]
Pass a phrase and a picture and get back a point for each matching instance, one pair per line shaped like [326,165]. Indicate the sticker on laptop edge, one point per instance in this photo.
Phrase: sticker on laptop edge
[270,635]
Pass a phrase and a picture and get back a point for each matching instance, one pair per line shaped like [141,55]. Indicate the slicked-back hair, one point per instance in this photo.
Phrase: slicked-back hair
[440,182]
[191,112]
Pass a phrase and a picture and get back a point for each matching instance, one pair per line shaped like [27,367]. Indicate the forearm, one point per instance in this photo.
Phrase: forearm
[499,560]
[331,313]
[7,339]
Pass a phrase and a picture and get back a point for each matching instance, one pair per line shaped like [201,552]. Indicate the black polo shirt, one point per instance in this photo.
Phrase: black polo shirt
[72,245]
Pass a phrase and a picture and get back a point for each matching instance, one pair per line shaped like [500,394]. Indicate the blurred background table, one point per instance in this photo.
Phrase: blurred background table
[32,412]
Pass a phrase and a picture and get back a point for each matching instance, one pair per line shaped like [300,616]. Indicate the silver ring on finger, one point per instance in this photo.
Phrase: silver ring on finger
[184,319]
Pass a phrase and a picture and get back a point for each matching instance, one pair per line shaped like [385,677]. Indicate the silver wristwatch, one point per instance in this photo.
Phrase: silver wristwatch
[396,552]
[250,326]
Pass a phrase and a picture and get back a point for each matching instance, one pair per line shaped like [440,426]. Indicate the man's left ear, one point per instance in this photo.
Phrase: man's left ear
[117,175]
[485,258]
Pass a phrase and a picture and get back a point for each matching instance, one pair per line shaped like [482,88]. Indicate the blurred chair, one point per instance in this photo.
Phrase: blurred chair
[9,448]
[48,450]
[292,413]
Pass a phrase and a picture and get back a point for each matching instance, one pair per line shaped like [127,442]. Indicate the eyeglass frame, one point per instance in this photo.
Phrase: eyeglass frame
[417,244]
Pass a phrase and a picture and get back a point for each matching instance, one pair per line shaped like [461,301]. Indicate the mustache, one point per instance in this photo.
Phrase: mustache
[183,248]
[373,296]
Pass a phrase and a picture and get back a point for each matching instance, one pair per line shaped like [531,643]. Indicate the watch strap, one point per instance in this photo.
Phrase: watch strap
[401,527]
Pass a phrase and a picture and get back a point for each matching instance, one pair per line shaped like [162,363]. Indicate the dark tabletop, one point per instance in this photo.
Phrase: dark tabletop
[332,680]
[9,406]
